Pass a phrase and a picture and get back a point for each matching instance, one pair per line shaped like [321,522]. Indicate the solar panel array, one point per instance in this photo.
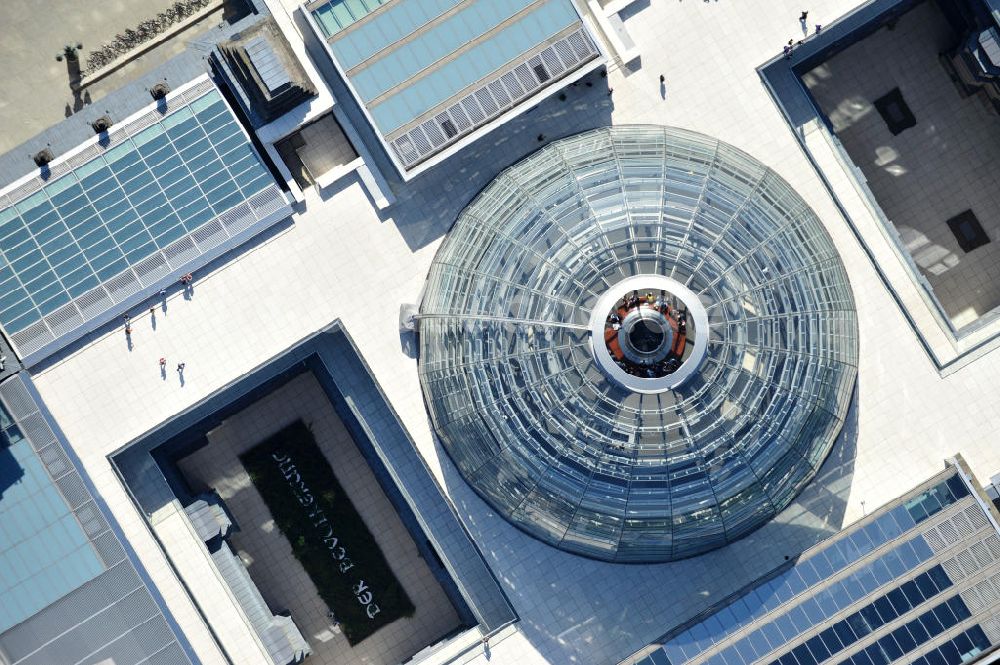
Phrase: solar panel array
[124,213]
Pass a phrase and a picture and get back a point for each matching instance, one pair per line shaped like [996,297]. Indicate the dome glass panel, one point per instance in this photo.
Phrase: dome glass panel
[638,344]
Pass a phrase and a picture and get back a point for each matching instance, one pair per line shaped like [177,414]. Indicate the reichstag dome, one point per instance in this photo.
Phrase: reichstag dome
[638,344]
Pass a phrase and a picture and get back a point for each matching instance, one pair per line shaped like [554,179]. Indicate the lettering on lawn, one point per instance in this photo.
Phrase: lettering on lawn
[325,530]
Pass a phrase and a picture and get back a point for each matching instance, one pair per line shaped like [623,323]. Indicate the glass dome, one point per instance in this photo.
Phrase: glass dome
[732,301]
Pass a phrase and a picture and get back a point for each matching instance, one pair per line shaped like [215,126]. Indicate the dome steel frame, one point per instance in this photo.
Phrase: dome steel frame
[571,455]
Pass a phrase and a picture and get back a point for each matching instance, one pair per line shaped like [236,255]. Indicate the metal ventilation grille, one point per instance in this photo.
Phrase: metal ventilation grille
[55,460]
[992,629]
[123,285]
[72,489]
[971,598]
[967,562]
[982,554]
[152,270]
[109,549]
[993,543]
[954,571]
[85,155]
[983,596]
[64,319]
[198,89]
[239,218]
[181,251]
[958,527]
[209,235]
[94,301]
[976,557]
[142,122]
[977,517]
[934,540]
[518,81]
[947,533]
[60,169]
[91,519]
[37,430]
[16,398]
[987,592]
[963,525]
[26,189]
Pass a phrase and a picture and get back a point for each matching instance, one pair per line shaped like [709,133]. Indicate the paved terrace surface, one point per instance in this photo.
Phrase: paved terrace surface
[340,259]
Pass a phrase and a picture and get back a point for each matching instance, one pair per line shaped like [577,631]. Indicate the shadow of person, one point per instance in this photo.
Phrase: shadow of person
[663,89]
[75,75]
[68,110]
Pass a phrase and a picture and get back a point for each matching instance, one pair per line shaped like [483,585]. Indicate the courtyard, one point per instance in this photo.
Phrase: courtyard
[949,162]
[267,554]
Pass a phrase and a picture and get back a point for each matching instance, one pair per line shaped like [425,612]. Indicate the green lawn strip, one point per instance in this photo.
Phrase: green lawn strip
[326,534]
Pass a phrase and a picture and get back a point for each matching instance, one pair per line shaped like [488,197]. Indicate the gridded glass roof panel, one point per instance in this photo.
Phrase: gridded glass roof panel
[429,72]
[398,21]
[44,552]
[336,15]
[569,454]
[136,195]
[396,95]
[439,40]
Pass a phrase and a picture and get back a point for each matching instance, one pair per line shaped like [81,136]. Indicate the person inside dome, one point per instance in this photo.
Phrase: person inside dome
[648,302]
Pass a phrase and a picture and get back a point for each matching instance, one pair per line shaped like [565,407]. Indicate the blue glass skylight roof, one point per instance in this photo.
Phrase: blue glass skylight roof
[44,552]
[454,64]
[122,214]
[398,93]
[336,15]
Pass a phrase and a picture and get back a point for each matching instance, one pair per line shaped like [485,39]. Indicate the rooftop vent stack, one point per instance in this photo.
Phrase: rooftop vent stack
[102,124]
[159,91]
[43,157]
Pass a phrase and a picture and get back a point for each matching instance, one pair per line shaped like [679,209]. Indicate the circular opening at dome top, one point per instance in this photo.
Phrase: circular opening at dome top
[649,332]
[647,335]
